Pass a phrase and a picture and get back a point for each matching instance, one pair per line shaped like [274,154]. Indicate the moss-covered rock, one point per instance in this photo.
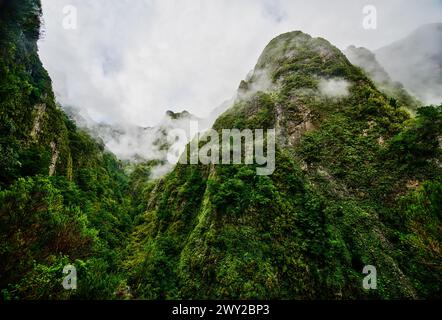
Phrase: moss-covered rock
[332,206]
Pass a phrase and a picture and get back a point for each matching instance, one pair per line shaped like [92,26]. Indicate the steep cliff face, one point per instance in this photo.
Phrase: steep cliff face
[340,197]
[357,182]
[30,119]
[61,195]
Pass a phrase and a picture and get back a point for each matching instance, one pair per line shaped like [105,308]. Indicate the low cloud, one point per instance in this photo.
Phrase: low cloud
[256,81]
[334,88]
[130,61]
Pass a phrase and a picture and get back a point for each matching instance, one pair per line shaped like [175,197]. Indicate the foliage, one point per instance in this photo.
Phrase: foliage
[80,213]
[357,182]
[338,200]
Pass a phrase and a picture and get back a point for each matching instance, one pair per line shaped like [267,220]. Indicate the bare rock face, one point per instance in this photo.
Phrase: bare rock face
[40,110]
[54,158]
[296,130]
[291,129]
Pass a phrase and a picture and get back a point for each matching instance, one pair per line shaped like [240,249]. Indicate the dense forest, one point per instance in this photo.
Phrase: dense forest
[358,181]
[63,198]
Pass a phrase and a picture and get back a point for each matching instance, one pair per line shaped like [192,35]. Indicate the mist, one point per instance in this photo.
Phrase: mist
[334,88]
[127,62]
[130,61]
[416,62]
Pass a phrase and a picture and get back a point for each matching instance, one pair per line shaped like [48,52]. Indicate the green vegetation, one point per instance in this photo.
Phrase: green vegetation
[358,182]
[76,212]
[366,60]
[352,190]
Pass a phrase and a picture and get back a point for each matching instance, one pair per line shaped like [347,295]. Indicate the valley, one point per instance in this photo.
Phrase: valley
[357,182]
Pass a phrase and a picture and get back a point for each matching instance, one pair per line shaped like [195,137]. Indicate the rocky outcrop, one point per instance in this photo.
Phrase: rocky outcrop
[39,110]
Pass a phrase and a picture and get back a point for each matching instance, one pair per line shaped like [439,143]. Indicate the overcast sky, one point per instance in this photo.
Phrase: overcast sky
[131,60]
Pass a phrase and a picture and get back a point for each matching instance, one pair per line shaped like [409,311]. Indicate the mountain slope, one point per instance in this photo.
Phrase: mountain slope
[63,199]
[357,182]
[134,144]
[366,60]
[349,190]
[416,61]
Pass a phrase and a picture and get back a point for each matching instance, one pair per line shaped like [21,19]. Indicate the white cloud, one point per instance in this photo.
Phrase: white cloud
[130,61]
[334,88]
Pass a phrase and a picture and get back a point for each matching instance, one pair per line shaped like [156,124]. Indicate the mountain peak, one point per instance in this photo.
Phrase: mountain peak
[420,68]
[178,115]
[297,61]
[357,184]
[291,44]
